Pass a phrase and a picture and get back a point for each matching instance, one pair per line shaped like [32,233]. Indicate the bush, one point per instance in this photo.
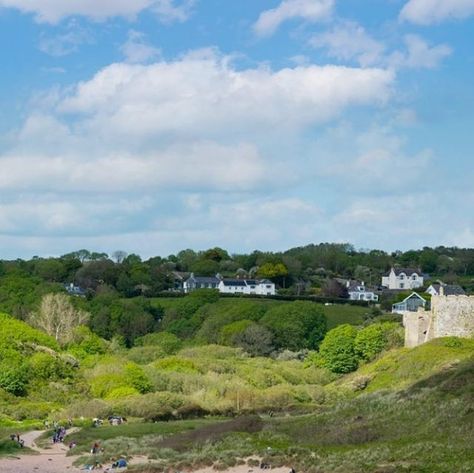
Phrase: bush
[137,378]
[255,340]
[338,351]
[370,341]
[13,379]
[168,342]
[122,393]
[230,331]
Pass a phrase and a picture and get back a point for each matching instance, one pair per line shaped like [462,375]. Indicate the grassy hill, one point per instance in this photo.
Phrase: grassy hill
[421,421]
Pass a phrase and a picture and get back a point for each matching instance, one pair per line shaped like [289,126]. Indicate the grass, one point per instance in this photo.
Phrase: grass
[416,415]
[138,430]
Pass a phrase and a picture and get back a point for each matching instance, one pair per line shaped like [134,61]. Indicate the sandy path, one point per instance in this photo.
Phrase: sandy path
[51,460]
[54,460]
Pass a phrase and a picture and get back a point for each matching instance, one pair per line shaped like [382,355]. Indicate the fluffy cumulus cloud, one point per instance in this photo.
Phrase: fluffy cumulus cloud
[427,12]
[52,11]
[310,10]
[202,94]
[195,139]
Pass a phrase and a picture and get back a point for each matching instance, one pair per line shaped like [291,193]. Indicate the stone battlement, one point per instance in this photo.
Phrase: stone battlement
[449,316]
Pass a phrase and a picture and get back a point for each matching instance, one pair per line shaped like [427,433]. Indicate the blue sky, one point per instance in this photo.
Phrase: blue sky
[157,125]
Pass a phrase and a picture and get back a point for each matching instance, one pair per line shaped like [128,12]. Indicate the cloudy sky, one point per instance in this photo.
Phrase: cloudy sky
[156,125]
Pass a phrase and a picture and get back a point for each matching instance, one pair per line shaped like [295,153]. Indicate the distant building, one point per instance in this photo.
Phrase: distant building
[441,289]
[200,282]
[403,278]
[74,290]
[409,304]
[359,292]
[261,287]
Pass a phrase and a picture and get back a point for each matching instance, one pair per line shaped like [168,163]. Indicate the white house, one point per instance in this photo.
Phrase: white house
[403,278]
[262,287]
[259,287]
[441,289]
[358,292]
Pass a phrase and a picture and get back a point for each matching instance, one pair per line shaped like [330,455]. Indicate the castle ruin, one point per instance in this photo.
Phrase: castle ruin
[449,316]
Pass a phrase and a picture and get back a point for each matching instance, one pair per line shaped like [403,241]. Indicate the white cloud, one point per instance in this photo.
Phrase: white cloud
[136,50]
[427,12]
[196,122]
[52,11]
[66,42]
[204,95]
[419,54]
[310,10]
[369,161]
[348,41]
[118,153]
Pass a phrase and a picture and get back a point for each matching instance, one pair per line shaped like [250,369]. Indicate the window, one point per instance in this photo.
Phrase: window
[414,277]
[268,286]
[402,285]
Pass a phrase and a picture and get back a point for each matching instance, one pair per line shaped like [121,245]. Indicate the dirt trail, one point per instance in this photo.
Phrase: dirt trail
[51,460]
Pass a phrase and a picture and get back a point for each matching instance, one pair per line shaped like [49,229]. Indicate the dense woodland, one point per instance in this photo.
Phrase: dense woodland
[125,295]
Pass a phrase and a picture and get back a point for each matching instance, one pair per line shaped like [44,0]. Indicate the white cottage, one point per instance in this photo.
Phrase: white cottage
[403,278]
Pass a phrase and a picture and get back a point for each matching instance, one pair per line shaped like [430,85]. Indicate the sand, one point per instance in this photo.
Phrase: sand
[51,460]
[54,460]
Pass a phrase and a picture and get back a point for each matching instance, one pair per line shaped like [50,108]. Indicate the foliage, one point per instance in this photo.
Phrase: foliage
[168,342]
[373,339]
[338,349]
[296,325]
[254,339]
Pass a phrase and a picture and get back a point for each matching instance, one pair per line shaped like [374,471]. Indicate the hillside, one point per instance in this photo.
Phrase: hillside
[424,424]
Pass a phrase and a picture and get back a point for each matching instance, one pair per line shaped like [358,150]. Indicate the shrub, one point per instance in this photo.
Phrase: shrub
[145,355]
[337,349]
[122,393]
[370,341]
[230,331]
[137,378]
[173,363]
[255,340]
[168,342]
[13,379]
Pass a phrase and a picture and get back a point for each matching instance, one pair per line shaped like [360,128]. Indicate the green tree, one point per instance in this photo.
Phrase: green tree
[255,340]
[296,326]
[338,349]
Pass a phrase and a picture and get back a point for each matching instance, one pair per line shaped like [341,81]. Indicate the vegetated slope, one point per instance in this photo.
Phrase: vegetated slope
[35,378]
[426,427]
[401,368]
[422,422]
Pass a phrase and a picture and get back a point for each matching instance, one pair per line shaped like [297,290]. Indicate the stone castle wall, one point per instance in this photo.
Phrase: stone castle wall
[449,316]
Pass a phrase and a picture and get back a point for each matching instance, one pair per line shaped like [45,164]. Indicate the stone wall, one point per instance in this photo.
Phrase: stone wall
[449,316]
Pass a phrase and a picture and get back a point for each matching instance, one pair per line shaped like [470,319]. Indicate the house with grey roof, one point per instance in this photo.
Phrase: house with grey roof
[358,291]
[200,282]
[259,287]
[403,278]
[442,289]
[410,304]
